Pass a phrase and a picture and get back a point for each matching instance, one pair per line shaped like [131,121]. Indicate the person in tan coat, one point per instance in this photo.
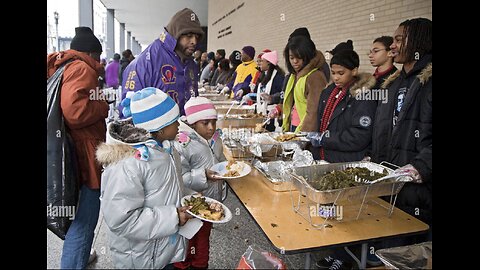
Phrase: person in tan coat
[304,86]
[84,111]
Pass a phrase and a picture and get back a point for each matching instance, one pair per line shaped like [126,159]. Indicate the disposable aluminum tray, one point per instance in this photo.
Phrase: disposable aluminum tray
[302,176]
[274,178]
[239,152]
[301,141]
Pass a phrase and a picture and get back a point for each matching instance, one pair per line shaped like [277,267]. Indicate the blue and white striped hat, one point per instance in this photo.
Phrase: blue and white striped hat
[152,109]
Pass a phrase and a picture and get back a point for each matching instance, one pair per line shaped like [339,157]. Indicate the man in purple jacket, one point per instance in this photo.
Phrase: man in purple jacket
[167,63]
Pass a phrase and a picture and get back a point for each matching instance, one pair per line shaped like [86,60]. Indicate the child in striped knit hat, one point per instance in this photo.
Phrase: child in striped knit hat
[141,188]
[200,146]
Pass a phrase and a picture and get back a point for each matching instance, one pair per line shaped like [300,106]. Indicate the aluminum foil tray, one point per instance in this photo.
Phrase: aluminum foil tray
[301,176]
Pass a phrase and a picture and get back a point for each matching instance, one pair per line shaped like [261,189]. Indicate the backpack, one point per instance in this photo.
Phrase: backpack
[62,184]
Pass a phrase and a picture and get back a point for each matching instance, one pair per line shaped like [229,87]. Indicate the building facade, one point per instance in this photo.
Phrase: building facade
[233,24]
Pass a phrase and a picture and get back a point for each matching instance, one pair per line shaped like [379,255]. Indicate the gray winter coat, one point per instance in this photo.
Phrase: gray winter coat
[139,200]
[196,156]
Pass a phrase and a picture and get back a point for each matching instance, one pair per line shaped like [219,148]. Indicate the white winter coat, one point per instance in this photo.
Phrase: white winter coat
[139,200]
[198,154]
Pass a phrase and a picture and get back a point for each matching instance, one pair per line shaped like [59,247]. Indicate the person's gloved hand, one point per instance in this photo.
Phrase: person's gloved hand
[252,87]
[224,90]
[417,178]
[239,94]
[219,87]
[315,138]
[275,112]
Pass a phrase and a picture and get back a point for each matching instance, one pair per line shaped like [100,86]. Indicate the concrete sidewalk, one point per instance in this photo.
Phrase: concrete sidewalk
[227,243]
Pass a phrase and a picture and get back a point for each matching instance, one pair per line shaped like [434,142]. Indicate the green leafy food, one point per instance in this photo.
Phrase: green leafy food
[345,178]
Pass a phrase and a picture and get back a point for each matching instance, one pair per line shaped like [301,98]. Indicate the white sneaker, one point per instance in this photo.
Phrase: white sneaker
[93,256]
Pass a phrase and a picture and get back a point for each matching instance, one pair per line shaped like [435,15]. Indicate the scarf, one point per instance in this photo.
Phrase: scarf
[335,97]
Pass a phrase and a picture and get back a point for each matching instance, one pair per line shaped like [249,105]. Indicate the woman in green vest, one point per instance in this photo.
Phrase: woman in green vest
[304,86]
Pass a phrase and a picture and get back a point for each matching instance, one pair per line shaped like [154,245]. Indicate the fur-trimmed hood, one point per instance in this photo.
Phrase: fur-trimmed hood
[424,76]
[185,128]
[121,137]
[316,62]
[363,83]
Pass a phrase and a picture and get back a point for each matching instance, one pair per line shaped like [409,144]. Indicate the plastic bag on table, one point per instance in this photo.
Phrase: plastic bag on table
[261,143]
[418,256]
[302,158]
[62,186]
[257,259]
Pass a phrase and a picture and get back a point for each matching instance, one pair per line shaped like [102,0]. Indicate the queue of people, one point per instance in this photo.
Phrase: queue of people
[167,140]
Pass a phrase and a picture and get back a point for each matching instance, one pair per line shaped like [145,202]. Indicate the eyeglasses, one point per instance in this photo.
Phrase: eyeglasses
[375,51]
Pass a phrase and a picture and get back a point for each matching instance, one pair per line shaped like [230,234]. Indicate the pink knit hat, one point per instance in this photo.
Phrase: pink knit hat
[199,108]
[271,57]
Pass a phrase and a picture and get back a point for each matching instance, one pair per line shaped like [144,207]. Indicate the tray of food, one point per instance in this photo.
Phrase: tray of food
[288,139]
[275,174]
[343,182]
[207,209]
[249,120]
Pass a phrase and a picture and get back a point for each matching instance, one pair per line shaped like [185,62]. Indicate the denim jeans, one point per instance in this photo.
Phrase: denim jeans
[79,238]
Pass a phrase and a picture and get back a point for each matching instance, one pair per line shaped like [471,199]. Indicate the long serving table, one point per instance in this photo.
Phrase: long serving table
[289,233]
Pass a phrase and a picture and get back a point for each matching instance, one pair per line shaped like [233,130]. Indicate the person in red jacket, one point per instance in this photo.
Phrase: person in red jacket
[84,115]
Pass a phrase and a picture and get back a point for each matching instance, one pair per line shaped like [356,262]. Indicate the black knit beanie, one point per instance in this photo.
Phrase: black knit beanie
[342,46]
[85,41]
[302,31]
[346,58]
[235,57]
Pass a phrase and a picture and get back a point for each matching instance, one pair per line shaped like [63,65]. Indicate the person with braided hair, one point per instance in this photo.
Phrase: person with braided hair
[402,132]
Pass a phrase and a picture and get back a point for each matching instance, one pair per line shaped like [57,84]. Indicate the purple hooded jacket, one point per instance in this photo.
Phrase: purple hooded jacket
[159,66]
[111,74]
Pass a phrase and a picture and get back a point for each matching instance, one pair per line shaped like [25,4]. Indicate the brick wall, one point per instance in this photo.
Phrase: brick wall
[268,23]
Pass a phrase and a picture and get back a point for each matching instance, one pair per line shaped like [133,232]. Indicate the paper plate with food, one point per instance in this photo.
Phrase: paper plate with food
[231,169]
[207,209]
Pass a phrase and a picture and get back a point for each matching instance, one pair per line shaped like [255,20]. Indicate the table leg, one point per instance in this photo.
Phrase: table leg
[363,256]
[308,259]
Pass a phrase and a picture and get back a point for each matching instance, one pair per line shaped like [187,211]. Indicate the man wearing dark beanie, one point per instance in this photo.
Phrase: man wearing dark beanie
[84,118]
[167,62]
[85,41]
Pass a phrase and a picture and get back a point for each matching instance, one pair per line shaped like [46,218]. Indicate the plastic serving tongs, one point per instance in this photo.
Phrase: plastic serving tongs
[397,174]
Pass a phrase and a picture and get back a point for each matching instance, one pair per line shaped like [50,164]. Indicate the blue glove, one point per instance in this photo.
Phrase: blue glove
[315,138]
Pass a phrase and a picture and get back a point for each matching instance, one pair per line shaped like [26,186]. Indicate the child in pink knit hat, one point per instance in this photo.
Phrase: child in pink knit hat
[200,146]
